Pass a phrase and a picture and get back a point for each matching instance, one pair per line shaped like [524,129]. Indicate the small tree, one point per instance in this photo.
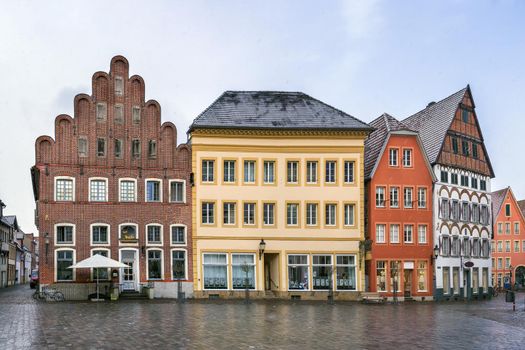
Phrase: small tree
[246,269]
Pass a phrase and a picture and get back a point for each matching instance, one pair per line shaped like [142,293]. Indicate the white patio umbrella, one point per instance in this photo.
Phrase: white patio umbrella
[98,261]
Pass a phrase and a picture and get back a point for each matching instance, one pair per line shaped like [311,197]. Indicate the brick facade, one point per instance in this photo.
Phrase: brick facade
[86,147]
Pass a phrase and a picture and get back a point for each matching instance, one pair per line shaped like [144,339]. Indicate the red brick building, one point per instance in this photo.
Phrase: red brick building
[508,243]
[114,182]
[399,211]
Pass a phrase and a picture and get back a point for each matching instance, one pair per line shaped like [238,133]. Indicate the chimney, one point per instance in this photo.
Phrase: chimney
[431,103]
[2,206]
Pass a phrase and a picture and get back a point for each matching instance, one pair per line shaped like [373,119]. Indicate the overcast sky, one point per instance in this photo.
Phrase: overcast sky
[364,57]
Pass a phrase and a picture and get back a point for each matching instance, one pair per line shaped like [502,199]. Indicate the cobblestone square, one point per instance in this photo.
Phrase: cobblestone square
[164,324]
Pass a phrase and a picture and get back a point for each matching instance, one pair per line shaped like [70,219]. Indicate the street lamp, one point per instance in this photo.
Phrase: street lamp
[435,253]
[46,242]
[262,247]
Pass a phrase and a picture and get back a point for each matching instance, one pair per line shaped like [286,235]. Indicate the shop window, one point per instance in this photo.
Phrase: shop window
[322,272]
[346,272]
[243,271]
[215,271]
[298,273]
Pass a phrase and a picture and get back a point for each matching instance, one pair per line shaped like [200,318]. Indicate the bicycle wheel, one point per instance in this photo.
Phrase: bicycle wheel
[58,296]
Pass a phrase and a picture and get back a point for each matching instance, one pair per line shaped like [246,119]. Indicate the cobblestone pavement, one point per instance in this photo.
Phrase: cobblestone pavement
[164,324]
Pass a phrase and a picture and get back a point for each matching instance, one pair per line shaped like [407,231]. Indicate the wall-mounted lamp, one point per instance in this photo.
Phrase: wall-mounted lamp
[262,247]
[435,253]
[46,242]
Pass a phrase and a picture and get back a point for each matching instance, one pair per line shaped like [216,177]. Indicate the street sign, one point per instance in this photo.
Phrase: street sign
[469,264]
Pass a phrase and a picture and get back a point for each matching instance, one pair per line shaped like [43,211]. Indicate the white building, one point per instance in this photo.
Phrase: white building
[453,141]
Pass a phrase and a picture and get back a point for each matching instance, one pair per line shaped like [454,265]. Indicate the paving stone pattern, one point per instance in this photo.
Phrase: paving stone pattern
[164,324]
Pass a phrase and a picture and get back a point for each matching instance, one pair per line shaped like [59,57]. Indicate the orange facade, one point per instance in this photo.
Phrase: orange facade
[400,220]
[508,244]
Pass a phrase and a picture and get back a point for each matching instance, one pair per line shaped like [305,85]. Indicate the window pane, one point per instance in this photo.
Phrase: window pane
[154,264]
[298,272]
[178,264]
[64,190]
[215,271]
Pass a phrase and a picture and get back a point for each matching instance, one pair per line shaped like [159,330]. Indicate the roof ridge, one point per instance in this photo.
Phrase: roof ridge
[438,102]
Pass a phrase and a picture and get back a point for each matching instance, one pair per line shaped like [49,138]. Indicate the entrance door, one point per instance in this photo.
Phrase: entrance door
[407,279]
[271,271]
[128,277]
[519,277]
[467,293]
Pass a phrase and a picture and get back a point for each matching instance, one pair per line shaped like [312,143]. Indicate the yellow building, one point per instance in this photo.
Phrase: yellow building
[278,197]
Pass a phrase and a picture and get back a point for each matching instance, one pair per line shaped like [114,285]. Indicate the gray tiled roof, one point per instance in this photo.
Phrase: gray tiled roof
[433,122]
[10,219]
[498,198]
[274,110]
[521,204]
[383,125]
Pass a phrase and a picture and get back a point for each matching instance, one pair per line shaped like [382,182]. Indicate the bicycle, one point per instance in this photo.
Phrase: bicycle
[48,294]
[495,291]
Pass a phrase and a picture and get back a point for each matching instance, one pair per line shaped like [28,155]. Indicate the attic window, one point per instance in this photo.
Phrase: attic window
[119,86]
[464,147]
[455,147]
[464,115]
[474,151]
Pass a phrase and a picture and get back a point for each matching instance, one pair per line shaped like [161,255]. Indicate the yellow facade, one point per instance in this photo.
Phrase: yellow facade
[232,235]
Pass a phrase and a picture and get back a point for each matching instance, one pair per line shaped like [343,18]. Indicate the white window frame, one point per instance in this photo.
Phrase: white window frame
[227,264]
[408,191]
[407,161]
[346,217]
[55,264]
[392,190]
[392,236]
[314,218]
[231,265]
[378,194]
[183,190]
[91,234]
[328,172]
[411,235]
[161,264]
[330,214]
[185,236]
[292,172]
[119,189]
[105,179]
[384,233]
[346,172]
[129,224]
[185,263]
[393,161]
[214,206]
[266,174]
[74,226]
[422,190]
[419,234]
[148,243]
[146,190]
[226,173]
[55,188]
[310,173]
[246,174]
[308,268]
[354,266]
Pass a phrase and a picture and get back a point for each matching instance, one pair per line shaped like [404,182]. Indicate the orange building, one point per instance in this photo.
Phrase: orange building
[508,241]
[399,182]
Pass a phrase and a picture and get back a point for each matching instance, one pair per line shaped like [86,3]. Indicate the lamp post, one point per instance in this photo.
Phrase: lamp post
[262,247]
[46,242]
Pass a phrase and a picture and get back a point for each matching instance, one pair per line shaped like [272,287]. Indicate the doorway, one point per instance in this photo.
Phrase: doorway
[271,271]
[407,282]
[519,276]
[129,277]
[466,284]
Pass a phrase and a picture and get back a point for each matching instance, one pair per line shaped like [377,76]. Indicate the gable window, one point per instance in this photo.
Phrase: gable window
[153,191]
[349,172]
[64,234]
[119,113]
[292,212]
[483,185]
[349,214]
[516,228]
[82,146]
[119,86]
[380,197]
[177,191]
[98,191]
[208,213]
[99,234]
[394,197]
[474,151]
[178,264]
[455,147]
[507,209]
[380,233]
[393,157]
[292,172]
[408,197]
[101,147]
[408,234]
[311,172]
[208,171]
[128,192]
[464,115]
[500,246]
[154,234]
[269,172]
[118,148]
[64,259]
[154,264]
[249,213]
[229,171]
[330,171]
[135,114]
[474,183]
[500,228]
[454,179]
[407,158]
[464,147]
[311,214]
[269,214]
[135,148]
[229,213]
[444,176]
[64,189]
[422,197]
[330,214]
[152,149]
[249,171]
[102,111]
